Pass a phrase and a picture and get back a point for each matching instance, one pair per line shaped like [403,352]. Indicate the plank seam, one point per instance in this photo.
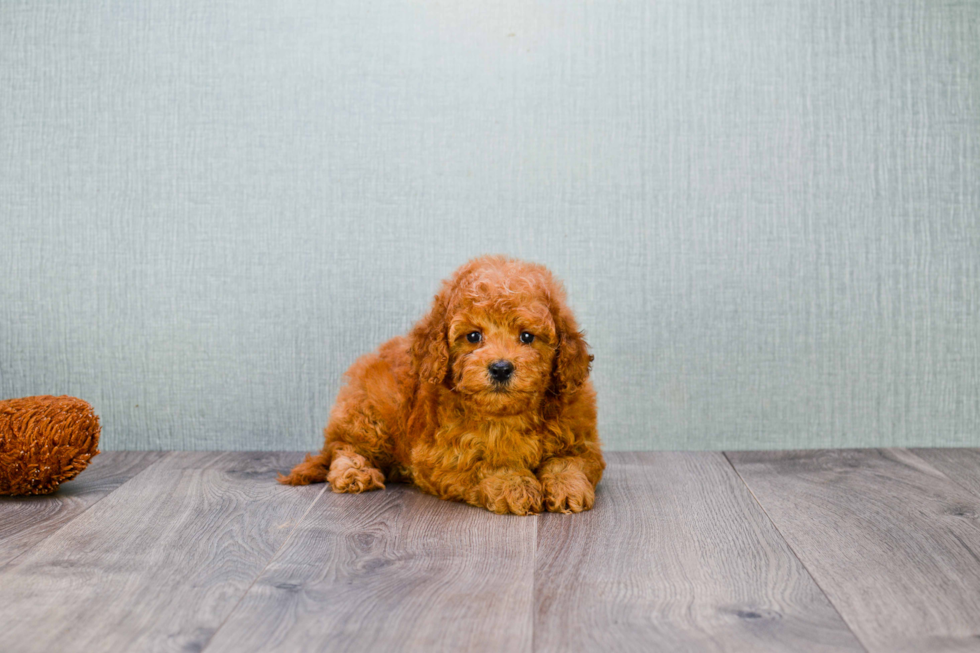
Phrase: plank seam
[911,452]
[789,546]
[264,568]
[534,583]
[11,563]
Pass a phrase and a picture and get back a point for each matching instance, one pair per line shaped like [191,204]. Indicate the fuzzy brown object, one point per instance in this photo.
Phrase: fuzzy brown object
[45,441]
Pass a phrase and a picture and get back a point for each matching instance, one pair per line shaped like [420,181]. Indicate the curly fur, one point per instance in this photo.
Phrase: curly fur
[45,441]
[423,408]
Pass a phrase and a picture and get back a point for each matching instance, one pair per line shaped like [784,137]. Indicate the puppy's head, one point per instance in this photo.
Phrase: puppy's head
[501,336]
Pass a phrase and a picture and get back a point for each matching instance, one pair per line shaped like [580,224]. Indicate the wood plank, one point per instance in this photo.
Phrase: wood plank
[160,562]
[390,571]
[893,542]
[676,555]
[25,521]
[960,465]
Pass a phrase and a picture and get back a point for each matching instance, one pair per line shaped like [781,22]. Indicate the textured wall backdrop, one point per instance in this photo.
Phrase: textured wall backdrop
[767,213]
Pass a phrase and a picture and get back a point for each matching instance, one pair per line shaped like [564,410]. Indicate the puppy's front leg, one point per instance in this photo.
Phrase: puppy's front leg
[504,491]
[569,482]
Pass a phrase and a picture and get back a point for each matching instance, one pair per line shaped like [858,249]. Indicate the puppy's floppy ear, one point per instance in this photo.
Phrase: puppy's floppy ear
[429,347]
[572,359]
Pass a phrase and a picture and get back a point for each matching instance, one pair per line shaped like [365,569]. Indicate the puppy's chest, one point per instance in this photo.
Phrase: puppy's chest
[496,442]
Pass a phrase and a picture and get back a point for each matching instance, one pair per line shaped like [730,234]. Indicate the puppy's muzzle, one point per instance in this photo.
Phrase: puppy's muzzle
[500,371]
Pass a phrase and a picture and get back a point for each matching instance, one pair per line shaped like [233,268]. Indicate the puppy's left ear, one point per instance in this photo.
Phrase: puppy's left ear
[572,360]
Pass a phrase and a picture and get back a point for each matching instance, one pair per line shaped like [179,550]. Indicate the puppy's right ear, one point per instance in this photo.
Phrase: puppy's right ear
[429,347]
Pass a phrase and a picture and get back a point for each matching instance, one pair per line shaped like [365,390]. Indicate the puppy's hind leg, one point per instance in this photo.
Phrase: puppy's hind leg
[351,472]
[313,469]
[357,441]
[341,466]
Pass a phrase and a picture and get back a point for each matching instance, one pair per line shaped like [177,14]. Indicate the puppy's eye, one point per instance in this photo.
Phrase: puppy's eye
[527,338]
[474,337]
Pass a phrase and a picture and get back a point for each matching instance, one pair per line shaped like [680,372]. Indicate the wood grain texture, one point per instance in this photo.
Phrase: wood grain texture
[676,555]
[893,542]
[962,466]
[25,521]
[390,571]
[159,563]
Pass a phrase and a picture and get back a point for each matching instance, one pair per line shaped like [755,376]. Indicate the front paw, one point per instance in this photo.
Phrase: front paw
[568,491]
[518,494]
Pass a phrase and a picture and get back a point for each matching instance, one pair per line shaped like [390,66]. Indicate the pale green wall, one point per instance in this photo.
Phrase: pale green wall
[767,213]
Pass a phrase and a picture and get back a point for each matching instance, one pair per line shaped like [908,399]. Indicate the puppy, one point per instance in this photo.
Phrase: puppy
[486,401]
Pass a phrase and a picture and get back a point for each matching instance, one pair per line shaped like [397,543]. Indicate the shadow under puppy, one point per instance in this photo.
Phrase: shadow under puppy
[486,401]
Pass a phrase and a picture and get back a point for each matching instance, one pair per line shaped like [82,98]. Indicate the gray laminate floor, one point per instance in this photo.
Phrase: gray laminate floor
[874,550]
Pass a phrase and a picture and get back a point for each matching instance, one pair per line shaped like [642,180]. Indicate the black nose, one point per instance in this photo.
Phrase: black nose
[501,370]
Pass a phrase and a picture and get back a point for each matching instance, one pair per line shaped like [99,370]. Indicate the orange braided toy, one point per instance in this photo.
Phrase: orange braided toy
[45,441]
